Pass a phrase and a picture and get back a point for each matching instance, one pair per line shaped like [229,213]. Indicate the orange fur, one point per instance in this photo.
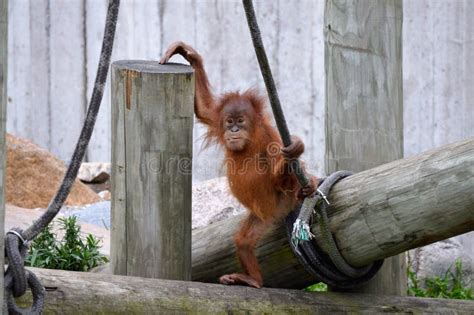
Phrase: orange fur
[259,176]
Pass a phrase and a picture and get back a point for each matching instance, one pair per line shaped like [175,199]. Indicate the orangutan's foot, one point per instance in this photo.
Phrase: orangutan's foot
[240,278]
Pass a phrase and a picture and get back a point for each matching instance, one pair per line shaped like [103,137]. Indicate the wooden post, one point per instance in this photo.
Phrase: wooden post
[152,122]
[374,214]
[364,102]
[3,118]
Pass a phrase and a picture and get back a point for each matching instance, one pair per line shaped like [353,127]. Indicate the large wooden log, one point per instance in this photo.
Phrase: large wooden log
[3,117]
[364,101]
[85,293]
[152,123]
[375,214]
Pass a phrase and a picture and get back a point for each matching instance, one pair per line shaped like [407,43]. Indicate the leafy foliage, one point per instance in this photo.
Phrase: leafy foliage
[72,252]
[449,285]
[317,287]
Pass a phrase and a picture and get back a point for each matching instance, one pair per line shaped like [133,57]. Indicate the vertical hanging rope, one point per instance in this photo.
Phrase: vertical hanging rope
[271,89]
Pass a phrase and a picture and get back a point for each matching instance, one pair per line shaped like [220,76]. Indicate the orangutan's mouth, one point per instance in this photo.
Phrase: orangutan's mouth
[233,139]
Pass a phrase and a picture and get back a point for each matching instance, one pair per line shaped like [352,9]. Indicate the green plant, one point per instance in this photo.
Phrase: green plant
[449,285]
[72,252]
[317,287]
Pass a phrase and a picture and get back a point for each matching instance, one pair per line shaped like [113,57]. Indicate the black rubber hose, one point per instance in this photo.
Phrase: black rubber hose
[87,129]
[317,264]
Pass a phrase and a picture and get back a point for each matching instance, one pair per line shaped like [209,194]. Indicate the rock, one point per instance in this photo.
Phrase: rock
[34,174]
[94,172]
[212,202]
[105,195]
[95,175]
[99,187]
[96,214]
[435,259]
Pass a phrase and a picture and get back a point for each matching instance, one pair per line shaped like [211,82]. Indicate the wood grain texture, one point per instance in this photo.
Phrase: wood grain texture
[152,117]
[3,114]
[118,213]
[364,104]
[375,214]
[364,114]
[86,293]
[391,279]
[136,37]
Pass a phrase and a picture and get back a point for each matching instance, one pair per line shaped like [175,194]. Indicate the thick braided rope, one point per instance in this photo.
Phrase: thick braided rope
[87,129]
[17,279]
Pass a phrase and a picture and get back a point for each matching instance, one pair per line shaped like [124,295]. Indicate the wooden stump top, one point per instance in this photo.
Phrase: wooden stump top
[147,66]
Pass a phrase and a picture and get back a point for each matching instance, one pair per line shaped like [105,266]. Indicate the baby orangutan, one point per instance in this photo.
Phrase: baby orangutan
[257,164]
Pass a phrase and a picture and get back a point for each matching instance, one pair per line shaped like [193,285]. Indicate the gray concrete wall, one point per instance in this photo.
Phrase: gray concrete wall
[439,80]
[438,73]
[55,45]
